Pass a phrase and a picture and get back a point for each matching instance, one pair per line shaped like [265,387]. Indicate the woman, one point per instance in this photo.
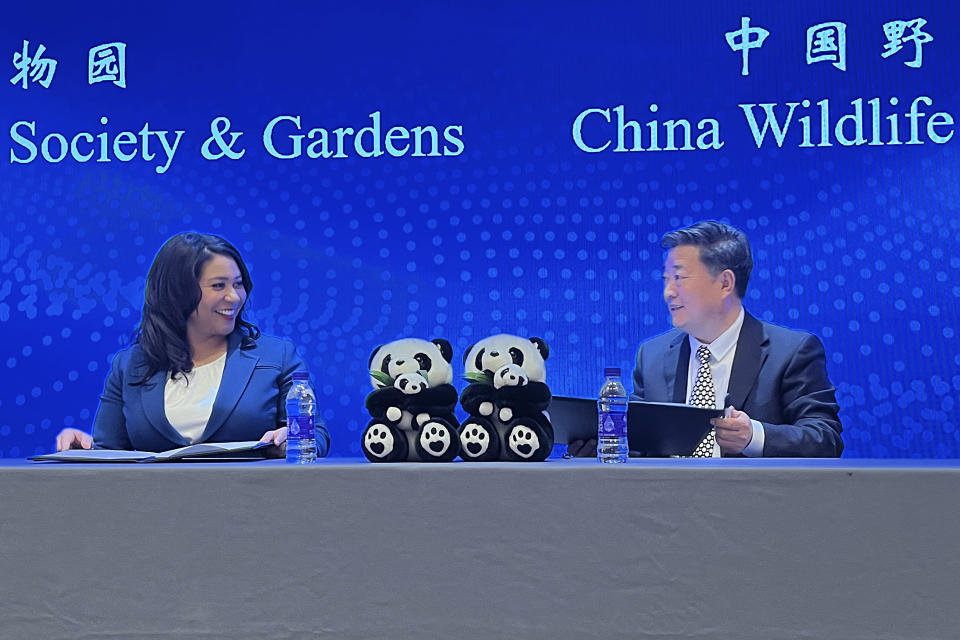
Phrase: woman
[197,372]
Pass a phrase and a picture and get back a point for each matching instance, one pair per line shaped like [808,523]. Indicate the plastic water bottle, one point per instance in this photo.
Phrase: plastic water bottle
[301,416]
[612,419]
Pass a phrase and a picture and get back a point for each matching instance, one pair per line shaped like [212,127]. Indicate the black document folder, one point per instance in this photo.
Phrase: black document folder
[654,429]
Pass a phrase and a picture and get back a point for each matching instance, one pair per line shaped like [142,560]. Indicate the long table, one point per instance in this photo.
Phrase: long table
[740,549]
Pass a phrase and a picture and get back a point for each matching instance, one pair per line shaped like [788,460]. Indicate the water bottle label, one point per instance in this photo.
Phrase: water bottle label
[612,425]
[300,427]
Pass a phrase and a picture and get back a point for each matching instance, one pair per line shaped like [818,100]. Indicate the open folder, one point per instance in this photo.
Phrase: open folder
[205,451]
[654,429]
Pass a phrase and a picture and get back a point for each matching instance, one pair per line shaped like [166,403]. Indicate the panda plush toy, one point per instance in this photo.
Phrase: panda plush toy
[412,403]
[506,399]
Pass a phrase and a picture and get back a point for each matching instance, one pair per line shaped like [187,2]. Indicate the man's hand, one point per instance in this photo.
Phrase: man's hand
[278,438]
[582,449]
[74,439]
[733,433]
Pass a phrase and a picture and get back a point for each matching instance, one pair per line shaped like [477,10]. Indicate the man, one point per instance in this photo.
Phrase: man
[772,380]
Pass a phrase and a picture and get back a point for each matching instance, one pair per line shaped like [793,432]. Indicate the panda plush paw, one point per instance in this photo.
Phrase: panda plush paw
[479,441]
[527,442]
[383,443]
[438,442]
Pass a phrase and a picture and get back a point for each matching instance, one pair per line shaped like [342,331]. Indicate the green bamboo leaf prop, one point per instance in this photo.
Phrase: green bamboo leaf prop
[425,376]
[382,378]
[481,377]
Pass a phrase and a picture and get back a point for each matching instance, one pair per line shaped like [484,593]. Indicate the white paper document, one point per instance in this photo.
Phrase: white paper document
[204,449]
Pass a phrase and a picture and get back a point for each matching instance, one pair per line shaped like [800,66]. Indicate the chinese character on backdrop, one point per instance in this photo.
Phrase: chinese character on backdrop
[894,31]
[36,69]
[108,63]
[744,39]
[827,42]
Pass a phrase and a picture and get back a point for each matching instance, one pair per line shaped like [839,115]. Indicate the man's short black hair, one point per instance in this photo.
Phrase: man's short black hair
[721,247]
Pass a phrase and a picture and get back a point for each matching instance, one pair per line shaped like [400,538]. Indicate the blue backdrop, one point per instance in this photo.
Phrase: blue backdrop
[498,201]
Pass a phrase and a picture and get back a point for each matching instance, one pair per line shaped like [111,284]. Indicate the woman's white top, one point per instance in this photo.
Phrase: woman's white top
[188,399]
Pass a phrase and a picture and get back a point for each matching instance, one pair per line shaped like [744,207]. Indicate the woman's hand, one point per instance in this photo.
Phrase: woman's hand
[76,439]
[278,438]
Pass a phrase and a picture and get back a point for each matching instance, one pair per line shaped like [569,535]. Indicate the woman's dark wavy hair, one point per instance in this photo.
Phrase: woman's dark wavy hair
[172,293]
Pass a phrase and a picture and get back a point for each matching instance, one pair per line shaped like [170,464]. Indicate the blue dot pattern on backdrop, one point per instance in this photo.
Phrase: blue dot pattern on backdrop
[585,289]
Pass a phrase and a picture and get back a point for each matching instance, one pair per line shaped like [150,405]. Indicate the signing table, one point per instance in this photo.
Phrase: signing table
[739,549]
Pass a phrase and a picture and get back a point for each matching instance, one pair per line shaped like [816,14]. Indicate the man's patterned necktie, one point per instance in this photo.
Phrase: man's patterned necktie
[704,396]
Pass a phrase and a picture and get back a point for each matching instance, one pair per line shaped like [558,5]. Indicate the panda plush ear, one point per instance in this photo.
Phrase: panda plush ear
[445,349]
[541,347]
[466,354]
[370,364]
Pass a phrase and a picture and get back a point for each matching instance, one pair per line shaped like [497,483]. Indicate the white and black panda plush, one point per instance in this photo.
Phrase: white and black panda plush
[506,399]
[412,403]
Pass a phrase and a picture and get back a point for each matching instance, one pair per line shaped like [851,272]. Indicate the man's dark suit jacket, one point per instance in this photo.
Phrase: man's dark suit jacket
[779,377]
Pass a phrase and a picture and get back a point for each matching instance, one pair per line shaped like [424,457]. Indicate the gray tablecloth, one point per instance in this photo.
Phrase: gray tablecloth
[565,549]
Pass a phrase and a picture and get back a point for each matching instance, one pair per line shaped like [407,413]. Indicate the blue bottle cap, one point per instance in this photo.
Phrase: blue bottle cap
[301,375]
[611,372]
